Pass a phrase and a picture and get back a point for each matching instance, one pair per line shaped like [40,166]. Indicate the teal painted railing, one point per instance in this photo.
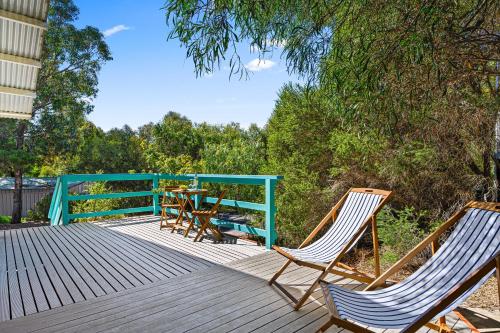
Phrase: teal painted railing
[59,213]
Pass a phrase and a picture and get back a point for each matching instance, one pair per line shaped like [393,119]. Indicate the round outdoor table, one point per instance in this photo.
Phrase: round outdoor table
[185,199]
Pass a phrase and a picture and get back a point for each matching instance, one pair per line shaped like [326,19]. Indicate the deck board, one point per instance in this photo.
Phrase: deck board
[15,299]
[133,277]
[48,288]
[48,267]
[97,281]
[36,287]
[28,301]
[69,291]
[85,271]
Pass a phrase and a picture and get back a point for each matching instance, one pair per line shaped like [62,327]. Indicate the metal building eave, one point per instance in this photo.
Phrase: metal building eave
[22,27]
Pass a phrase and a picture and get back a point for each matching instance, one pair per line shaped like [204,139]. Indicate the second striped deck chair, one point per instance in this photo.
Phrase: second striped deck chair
[349,219]
[468,257]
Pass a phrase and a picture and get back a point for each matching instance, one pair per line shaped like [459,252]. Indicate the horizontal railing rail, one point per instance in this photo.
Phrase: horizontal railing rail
[59,213]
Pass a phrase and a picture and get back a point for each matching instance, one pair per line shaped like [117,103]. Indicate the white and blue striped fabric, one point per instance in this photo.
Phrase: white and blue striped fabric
[474,242]
[357,208]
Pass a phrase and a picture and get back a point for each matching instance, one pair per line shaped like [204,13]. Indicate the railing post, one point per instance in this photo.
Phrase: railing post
[156,195]
[54,196]
[64,200]
[270,213]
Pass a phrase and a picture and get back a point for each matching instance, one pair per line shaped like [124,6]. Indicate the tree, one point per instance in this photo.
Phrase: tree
[176,135]
[311,31]
[406,89]
[71,60]
[298,148]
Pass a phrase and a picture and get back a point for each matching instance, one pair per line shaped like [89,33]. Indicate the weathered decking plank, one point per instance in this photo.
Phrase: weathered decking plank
[93,277]
[28,299]
[15,299]
[177,244]
[70,292]
[111,265]
[147,268]
[158,258]
[36,286]
[150,230]
[80,283]
[96,262]
[49,291]
[131,276]
[4,289]
[179,286]
[102,306]
[132,234]
[47,267]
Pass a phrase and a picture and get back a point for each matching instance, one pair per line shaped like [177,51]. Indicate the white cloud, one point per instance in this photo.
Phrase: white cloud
[258,65]
[115,29]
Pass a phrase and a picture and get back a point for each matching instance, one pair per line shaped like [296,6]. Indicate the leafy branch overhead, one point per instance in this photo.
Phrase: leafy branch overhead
[315,34]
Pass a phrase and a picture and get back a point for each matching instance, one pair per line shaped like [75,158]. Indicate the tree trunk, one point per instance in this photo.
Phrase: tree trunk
[18,176]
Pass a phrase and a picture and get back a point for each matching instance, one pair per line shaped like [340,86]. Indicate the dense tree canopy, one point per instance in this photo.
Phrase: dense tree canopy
[400,94]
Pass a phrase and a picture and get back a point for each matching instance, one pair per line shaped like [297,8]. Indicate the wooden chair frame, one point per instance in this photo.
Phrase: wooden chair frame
[204,217]
[432,240]
[185,202]
[347,271]
[165,205]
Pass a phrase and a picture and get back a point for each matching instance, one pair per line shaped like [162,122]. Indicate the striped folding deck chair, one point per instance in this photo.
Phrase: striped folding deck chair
[350,218]
[461,265]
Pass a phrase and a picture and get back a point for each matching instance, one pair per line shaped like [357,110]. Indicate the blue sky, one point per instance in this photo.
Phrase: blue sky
[150,76]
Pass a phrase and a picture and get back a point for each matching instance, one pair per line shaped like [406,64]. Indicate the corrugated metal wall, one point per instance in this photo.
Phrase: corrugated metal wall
[30,198]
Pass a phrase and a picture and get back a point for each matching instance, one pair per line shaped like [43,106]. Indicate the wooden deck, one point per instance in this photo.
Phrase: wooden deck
[127,275]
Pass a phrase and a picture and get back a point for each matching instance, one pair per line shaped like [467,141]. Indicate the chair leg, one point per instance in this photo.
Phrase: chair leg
[440,328]
[280,271]
[326,326]
[376,254]
[309,291]
[215,231]
[498,276]
[190,225]
[162,217]
[178,219]
[202,228]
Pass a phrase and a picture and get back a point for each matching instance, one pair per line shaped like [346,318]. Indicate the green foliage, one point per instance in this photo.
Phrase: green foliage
[399,231]
[299,150]
[97,205]
[354,148]
[175,135]
[71,61]
[114,151]
[212,31]
[10,156]
[41,210]
[4,219]
[352,43]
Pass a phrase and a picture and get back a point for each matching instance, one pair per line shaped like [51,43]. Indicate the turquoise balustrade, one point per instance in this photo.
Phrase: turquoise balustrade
[59,213]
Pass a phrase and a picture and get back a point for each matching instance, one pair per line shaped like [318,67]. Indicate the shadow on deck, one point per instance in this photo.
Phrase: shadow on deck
[126,275]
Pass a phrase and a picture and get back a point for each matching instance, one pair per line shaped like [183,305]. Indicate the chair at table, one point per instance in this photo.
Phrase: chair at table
[465,261]
[204,216]
[168,203]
